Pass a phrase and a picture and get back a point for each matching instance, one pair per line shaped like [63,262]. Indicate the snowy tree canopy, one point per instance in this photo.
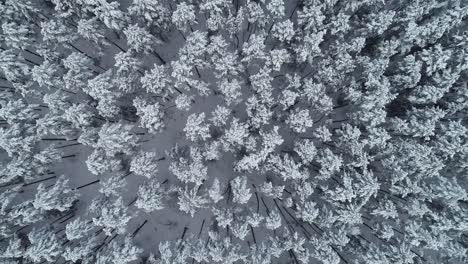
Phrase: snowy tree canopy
[244,131]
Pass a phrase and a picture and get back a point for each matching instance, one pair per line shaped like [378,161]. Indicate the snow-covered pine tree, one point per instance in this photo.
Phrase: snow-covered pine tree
[60,197]
[111,215]
[330,131]
[151,196]
[44,245]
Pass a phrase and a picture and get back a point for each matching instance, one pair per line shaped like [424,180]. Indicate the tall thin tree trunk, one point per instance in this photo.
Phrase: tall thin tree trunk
[67,219]
[156,54]
[32,62]
[61,217]
[70,145]
[88,184]
[139,228]
[33,53]
[253,234]
[201,229]
[115,44]
[34,182]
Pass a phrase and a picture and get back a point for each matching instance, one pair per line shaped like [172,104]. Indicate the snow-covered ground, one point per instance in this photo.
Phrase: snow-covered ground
[335,130]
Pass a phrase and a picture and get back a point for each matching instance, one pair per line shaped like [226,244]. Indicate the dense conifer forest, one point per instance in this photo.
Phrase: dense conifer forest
[233,131]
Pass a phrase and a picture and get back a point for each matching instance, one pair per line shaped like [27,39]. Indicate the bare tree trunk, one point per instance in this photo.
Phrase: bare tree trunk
[34,182]
[295,8]
[61,217]
[67,219]
[112,239]
[253,234]
[291,252]
[266,207]
[133,201]
[339,255]
[19,181]
[115,44]
[32,62]
[64,146]
[56,139]
[156,54]
[88,184]
[201,228]
[183,233]
[33,53]
[139,228]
